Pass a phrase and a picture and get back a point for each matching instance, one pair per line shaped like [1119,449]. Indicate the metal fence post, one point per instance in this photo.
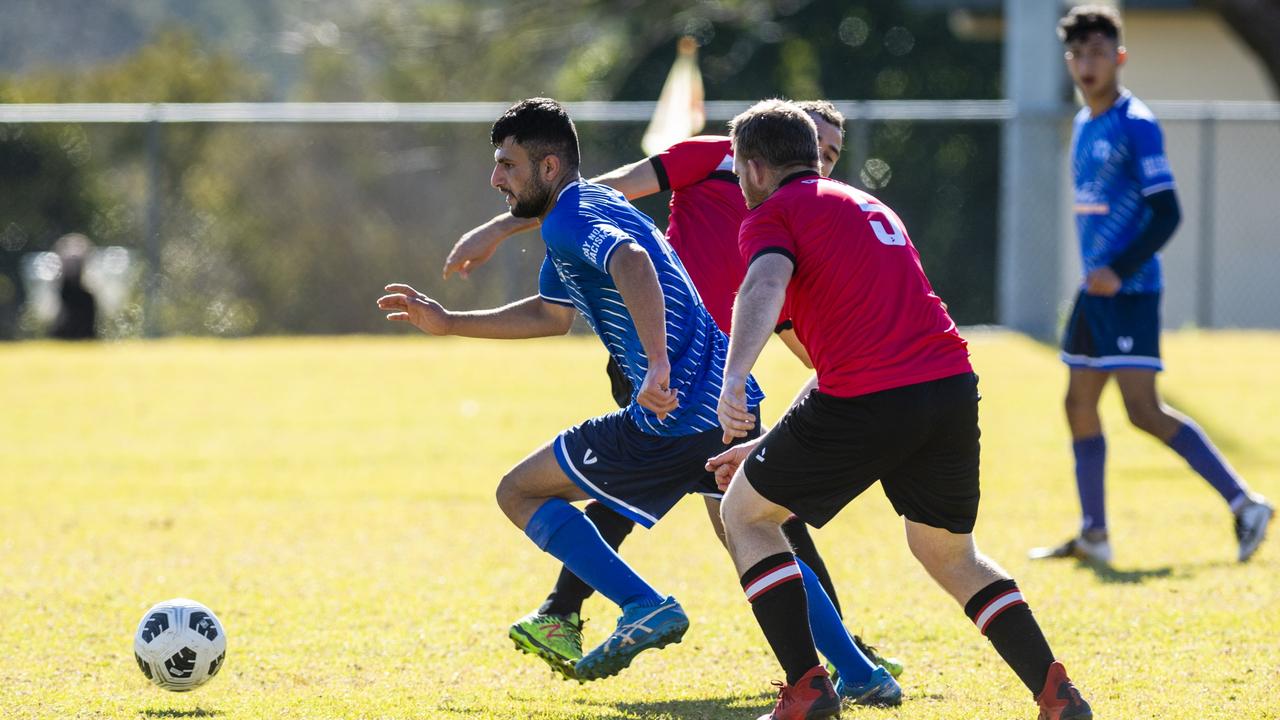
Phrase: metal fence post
[1027,263]
[1208,199]
[151,246]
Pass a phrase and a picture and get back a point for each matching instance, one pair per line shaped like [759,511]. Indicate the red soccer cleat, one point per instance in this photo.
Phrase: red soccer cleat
[1060,700]
[813,697]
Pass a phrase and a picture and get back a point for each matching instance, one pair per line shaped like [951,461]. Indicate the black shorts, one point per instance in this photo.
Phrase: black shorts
[920,441]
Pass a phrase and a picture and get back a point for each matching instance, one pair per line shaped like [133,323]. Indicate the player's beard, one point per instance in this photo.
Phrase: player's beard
[533,200]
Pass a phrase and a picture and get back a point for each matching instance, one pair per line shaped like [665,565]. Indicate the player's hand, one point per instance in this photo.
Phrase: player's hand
[656,393]
[1104,282]
[472,250]
[404,304]
[732,409]
[726,463]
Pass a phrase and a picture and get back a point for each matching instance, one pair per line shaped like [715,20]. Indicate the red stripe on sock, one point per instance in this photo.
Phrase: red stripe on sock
[789,578]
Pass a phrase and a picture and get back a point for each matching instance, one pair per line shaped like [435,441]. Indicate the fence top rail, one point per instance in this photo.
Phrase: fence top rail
[455,112]
[615,111]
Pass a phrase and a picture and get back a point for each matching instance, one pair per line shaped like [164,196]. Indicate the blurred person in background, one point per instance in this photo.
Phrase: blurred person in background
[78,310]
[1126,209]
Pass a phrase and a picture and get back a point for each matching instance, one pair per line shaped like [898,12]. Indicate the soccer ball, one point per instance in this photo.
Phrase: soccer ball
[179,644]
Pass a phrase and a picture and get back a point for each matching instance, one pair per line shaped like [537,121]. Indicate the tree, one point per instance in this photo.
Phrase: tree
[1257,23]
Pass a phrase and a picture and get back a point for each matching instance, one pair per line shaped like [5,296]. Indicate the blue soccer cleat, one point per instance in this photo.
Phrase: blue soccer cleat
[880,690]
[639,629]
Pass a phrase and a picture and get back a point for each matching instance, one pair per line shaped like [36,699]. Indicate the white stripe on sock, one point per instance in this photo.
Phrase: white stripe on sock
[773,577]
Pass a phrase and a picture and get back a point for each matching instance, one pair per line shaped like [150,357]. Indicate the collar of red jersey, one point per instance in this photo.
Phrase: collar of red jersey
[797,176]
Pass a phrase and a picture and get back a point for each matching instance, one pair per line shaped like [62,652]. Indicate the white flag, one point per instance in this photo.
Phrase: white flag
[679,113]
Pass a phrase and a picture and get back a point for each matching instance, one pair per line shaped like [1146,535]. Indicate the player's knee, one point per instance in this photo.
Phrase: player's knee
[508,493]
[941,550]
[1077,406]
[743,508]
[1147,417]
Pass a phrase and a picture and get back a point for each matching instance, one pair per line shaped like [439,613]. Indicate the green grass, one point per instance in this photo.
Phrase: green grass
[332,501]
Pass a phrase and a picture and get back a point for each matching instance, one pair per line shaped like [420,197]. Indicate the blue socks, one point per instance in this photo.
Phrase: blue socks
[1091,461]
[1193,445]
[561,530]
[830,635]
[1190,442]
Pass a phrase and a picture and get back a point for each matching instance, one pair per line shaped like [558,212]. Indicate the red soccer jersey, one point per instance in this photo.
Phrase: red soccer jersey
[859,298]
[706,210]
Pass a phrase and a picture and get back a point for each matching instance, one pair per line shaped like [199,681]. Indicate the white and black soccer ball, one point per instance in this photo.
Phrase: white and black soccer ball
[180,644]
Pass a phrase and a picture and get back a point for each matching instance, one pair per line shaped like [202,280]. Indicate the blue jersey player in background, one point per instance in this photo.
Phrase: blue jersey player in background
[606,261]
[1126,209]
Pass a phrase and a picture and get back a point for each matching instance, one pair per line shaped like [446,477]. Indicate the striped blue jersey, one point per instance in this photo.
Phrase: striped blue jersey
[588,223]
[1117,159]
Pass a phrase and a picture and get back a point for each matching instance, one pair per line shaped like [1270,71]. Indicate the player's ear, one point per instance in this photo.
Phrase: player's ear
[1121,55]
[550,167]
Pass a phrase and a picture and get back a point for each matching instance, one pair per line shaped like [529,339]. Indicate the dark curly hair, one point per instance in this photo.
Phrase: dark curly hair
[1085,19]
[542,127]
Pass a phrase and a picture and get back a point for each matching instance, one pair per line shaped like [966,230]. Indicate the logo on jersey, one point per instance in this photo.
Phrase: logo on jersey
[1154,166]
[1101,149]
[589,457]
[591,246]
[1125,343]
[760,455]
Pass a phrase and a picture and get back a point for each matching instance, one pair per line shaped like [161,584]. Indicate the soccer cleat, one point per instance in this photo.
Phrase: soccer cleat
[1251,525]
[639,629]
[812,698]
[1079,547]
[557,639]
[1060,700]
[893,665]
[880,690]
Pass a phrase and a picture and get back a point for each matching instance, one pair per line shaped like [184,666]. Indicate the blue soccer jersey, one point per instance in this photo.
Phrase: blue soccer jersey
[1117,159]
[590,222]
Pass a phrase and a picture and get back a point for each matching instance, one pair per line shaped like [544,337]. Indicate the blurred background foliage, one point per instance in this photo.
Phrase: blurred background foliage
[272,229]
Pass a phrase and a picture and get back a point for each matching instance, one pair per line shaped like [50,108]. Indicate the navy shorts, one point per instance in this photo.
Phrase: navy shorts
[921,442]
[1114,333]
[638,475]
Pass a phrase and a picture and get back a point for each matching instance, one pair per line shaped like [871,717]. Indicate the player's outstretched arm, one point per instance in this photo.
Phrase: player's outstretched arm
[636,180]
[637,281]
[754,313]
[528,318]
[478,244]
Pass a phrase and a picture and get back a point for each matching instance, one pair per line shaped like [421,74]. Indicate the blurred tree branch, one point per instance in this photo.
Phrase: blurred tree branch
[1257,23]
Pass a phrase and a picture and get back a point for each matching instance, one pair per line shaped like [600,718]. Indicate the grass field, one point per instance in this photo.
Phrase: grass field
[332,501]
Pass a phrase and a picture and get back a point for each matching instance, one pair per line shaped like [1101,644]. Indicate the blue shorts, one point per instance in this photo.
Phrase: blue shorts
[638,475]
[1114,333]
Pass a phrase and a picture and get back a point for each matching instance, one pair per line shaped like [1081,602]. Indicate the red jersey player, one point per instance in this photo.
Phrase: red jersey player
[896,401]
[706,209]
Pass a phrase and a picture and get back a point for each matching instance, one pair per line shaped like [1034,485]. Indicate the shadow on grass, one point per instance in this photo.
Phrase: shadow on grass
[171,713]
[736,707]
[1109,575]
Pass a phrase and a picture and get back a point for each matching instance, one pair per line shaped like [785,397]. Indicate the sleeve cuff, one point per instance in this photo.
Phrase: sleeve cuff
[604,261]
[772,250]
[664,182]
